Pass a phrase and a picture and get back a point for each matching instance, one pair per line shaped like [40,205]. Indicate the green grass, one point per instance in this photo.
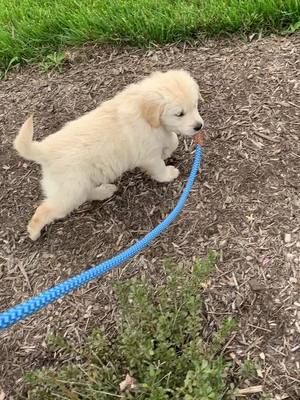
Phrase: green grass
[31,29]
[160,343]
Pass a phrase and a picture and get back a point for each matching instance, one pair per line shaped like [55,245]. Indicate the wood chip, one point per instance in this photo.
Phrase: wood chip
[256,286]
[199,138]
[249,390]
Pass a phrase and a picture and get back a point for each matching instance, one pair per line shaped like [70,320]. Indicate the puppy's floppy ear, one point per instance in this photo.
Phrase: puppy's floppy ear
[151,109]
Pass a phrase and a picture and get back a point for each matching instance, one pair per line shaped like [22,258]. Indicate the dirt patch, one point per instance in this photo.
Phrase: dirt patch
[245,203]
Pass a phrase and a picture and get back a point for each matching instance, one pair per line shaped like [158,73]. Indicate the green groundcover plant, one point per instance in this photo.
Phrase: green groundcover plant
[160,344]
[32,29]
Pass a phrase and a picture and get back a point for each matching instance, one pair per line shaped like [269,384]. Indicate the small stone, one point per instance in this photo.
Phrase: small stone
[297,202]
[289,256]
[46,255]
[287,238]
[228,200]
[256,286]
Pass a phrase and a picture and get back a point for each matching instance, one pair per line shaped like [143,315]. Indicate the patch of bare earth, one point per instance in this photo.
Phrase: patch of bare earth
[245,204]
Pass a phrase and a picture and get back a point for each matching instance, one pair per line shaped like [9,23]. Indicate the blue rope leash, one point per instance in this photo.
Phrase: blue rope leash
[34,304]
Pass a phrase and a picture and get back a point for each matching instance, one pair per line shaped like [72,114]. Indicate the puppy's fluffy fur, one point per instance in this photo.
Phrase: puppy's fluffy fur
[136,128]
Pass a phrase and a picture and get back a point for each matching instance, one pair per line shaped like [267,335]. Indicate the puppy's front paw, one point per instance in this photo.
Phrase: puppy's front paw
[166,153]
[109,189]
[169,175]
[172,146]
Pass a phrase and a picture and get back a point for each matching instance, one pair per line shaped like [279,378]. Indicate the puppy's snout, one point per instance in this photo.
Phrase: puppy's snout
[198,126]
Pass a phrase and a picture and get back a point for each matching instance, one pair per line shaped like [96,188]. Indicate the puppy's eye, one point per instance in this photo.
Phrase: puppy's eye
[180,114]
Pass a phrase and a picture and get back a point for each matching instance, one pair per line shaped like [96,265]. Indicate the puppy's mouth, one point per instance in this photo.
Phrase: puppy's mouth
[184,133]
[188,133]
[192,134]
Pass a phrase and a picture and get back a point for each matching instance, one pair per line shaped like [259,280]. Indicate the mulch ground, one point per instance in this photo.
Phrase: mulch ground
[245,203]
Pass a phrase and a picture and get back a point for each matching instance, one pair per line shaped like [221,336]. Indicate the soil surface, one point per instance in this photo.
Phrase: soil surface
[245,203]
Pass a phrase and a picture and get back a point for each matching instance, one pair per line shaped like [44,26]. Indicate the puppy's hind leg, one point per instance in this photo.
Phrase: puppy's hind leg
[46,213]
[102,192]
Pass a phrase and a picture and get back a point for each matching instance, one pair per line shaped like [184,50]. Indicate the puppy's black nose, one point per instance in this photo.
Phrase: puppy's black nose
[198,126]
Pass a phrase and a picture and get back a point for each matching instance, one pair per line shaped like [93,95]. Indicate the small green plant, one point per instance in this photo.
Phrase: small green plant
[249,369]
[160,344]
[222,334]
[53,61]
[265,396]
[292,28]
[4,71]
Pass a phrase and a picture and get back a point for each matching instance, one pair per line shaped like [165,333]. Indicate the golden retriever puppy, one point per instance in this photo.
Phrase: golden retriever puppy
[136,128]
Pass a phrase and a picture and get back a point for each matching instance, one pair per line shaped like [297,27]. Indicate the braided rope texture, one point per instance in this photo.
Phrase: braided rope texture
[29,307]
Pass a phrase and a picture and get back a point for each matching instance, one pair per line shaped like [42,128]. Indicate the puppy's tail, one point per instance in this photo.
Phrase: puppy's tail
[25,146]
